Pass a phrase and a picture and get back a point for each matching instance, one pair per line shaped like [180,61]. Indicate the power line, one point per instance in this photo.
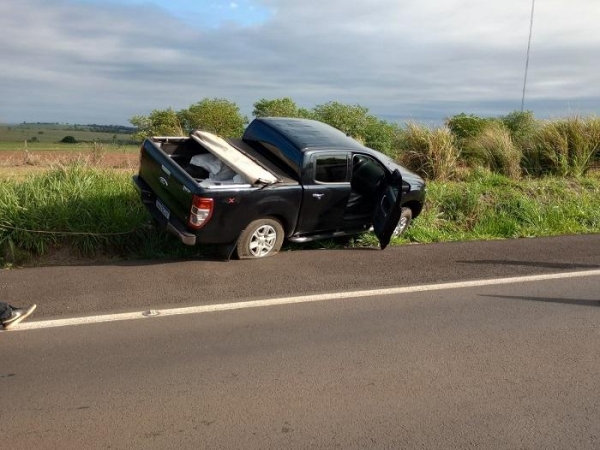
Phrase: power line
[528,51]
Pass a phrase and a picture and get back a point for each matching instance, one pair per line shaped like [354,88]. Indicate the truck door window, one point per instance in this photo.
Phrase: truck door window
[366,176]
[331,169]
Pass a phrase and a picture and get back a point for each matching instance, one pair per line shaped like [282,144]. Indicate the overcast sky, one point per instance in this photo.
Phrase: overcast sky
[96,61]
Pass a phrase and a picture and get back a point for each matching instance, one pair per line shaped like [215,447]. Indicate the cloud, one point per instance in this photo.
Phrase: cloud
[70,61]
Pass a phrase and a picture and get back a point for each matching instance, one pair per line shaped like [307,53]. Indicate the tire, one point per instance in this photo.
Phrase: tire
[403,223]
[261,238]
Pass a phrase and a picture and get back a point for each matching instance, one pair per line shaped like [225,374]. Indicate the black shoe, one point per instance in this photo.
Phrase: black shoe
[18,314]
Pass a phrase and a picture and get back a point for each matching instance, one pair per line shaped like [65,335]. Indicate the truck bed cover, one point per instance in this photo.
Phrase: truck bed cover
[235,159]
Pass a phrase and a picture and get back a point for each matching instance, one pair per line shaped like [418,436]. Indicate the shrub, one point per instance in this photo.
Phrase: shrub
[216,115]
[69,140]
[495,149]
[383,136]
[158,123]
[565,147]
[279,107]
[355,121]
[521,125]
[431,153]
[351,119]
[467,126]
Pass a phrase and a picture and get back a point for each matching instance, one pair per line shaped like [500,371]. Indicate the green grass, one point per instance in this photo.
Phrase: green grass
[568,147]
[94,213]
[495,207]
[494,149]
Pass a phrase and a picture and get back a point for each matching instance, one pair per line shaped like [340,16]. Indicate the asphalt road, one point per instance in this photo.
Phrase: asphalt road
[81,290]
[495,366]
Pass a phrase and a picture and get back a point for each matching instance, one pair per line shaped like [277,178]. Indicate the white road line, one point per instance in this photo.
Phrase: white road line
[293,300]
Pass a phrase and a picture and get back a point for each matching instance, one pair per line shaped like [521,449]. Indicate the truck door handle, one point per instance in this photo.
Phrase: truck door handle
[318,196]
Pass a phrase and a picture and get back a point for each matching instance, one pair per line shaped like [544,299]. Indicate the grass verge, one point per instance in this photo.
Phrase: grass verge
[77,212]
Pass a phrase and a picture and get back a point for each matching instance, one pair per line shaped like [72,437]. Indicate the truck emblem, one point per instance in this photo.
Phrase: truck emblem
[231,200]
[163,181]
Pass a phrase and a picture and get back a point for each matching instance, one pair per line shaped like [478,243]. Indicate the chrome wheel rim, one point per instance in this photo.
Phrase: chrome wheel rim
[401,226]
[262,241]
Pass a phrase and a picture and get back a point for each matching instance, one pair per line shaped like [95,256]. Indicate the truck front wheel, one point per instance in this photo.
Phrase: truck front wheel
[261,238]
[404,222]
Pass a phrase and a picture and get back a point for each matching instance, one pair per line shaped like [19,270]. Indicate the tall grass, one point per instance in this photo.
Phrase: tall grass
[91,212]
[564,147]
[104,212]
[490,206]
[430,152]
[495,149]
[68,200]
[561,147]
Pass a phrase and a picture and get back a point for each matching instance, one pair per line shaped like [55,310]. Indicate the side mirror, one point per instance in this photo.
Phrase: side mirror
[397,177]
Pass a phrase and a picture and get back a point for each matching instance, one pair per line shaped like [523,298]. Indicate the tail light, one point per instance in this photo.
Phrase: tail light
[201,212]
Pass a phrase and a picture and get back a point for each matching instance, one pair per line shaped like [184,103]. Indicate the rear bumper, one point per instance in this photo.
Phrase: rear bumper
[172,225]
[185,237]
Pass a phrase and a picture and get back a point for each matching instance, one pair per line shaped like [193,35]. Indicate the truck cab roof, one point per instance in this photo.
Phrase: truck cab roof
[306,134]
[287,139]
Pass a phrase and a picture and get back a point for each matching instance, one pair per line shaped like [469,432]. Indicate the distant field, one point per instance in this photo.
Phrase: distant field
[13,136]
[80,147]
[22,156]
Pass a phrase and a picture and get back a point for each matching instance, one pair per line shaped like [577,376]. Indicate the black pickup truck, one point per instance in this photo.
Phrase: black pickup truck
[293,179]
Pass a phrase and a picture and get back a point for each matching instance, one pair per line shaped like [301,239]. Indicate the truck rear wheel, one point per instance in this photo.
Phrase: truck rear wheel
[261,238]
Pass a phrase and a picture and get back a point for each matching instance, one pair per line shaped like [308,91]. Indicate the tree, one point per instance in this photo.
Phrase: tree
[355,121]
[158,123]
[216,115]
[279,107]
[351,119]
[69,140]
[521,125]
[467,126]
[383,136]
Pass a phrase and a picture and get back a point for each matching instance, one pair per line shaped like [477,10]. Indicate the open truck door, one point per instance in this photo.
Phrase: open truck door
[387,213]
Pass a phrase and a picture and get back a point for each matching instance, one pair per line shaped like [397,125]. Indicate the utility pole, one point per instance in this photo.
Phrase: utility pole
[528,51]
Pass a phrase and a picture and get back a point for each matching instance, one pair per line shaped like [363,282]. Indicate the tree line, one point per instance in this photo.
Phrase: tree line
[514,145]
